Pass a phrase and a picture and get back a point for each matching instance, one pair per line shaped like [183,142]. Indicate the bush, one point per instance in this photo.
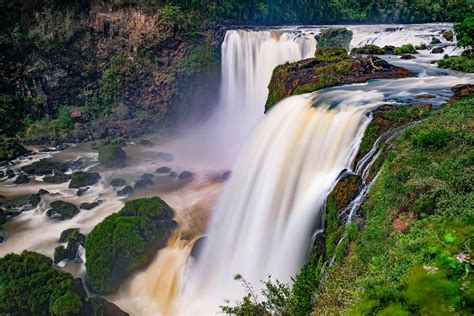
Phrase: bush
[465,32]
[31,286]
[64,120]
[368,50]
[405,49]
[126,241]
[331,54]
[464,63]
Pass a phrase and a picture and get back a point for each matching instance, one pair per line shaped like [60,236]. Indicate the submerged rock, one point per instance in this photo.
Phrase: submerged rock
[146,143]
[81,191]
[125,191]
[168,157]
[118,182]
[74,238]
[22,179]
[407,56]
[163,170]
[61,210]
[57,178]
[142,183]
[82,179]
[226,175]
[185,175]
[437,50]
[90,205]
[45,167]
[148,176]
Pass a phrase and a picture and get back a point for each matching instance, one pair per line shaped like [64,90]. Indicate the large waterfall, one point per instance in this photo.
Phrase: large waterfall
[266,215]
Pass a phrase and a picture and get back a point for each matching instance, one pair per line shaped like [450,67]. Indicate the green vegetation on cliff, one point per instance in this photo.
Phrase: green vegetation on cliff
[126,241]
[413,254]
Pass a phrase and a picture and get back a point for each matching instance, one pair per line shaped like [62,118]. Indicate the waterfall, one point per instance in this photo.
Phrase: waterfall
[248,60]
[265,217]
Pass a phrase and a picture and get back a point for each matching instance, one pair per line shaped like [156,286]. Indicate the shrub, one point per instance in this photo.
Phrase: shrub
[433,139]
[465,32]
[331,53]
[126,241]
[405,49]
[64,120]
[464,63]
[31,286]
[369,50]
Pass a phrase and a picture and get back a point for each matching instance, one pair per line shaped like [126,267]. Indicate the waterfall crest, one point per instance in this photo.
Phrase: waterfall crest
[265,217]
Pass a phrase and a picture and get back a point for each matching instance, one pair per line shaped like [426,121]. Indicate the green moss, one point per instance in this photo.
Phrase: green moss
[29,285]
[405,49]
[126,241]
[112,156]
[368,49]
[330,54]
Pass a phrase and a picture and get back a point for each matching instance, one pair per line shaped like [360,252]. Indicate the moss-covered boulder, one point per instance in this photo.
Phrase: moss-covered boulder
[61,210]
[57,177]
[45,167]
[81,179]
[334,37]
[448,35]
[10,148]
[112,156]
[74,238]
[126,241]
[329,68]
[31,286]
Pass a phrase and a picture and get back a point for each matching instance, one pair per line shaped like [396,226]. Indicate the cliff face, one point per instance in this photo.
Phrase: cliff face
[117,72]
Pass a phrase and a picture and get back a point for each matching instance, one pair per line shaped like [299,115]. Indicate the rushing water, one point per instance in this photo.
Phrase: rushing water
[289,160]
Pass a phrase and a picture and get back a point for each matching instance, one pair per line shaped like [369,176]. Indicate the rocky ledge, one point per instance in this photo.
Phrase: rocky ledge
[329,67]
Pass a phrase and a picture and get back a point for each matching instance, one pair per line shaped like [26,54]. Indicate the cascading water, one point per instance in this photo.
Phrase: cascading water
[265,217]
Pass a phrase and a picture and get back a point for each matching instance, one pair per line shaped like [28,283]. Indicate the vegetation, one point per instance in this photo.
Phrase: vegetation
[126,241]
[405,49]
[465,32]
[464,63]
[112,156]
[29,285]
[368,50]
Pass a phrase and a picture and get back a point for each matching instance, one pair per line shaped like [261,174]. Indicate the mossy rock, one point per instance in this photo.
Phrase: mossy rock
[334,37]
[81,179]
[330,54]
[61,210]
[10,148]
[45,167]
[368,50]
[126,241]
[112,156]
[448,35]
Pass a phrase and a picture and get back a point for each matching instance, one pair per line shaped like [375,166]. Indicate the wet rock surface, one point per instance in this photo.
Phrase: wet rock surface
[118,182]
[125,191]
[45,167]
[22,179]
[82,179]
[163,170]
[90,205]
[57,178]
[61,210]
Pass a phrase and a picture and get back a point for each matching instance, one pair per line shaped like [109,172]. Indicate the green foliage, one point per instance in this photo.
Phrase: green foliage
[422,46]
[126,241]
[199,60]
[405,49]
[331,53]
[465,32]
[64,121]
[368,49]
[334,37]
[112,156]
[433,139]
[464,63]
[29,285]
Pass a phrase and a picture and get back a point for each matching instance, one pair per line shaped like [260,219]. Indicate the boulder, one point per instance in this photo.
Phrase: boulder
[173,174]
[437,50]
[407,56]
[81,191]
[3,217]
[142,183]
[146,143]
[435,40]
[125,191]
[425,96]
[163,170]
[22,179]
[74,238]
[90,205]
[66,233]
[148,176]
[463,90]
[57,178]
[35,199]
[185,175]
[10,173]
[118,182]
[42,192]
[448,35]
[61,210]
[45,167]
[112,156]
[10,148]
[368,50]
[226,175]
[81,179]
[334,37]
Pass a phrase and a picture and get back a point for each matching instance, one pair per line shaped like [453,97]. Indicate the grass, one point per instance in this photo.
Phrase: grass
[464,63]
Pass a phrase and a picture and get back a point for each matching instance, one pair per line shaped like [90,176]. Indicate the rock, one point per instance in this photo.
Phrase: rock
[2,174]
[346,189]
[226,175]
[22,179]
[42,192]
[185,175]
[142,183]
[197,247]
[82,179]
[173,174]
[57,178]
[81,191]
[102,307]
[163,170]
[74,238]
[146,143]
[89,206]
[407,56]
[462,90]
[125,191]
[435,40]
[10,173]
[61,210]
[34,200]
[448,35]
[168,157]
[65,234]
[112,156]
[148,176]
[437,50]
[389,50]
[392,29]
[10,148]
[118,182]
[79,115]
[425,96]
[334,37]
[45,167]
[3,217]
